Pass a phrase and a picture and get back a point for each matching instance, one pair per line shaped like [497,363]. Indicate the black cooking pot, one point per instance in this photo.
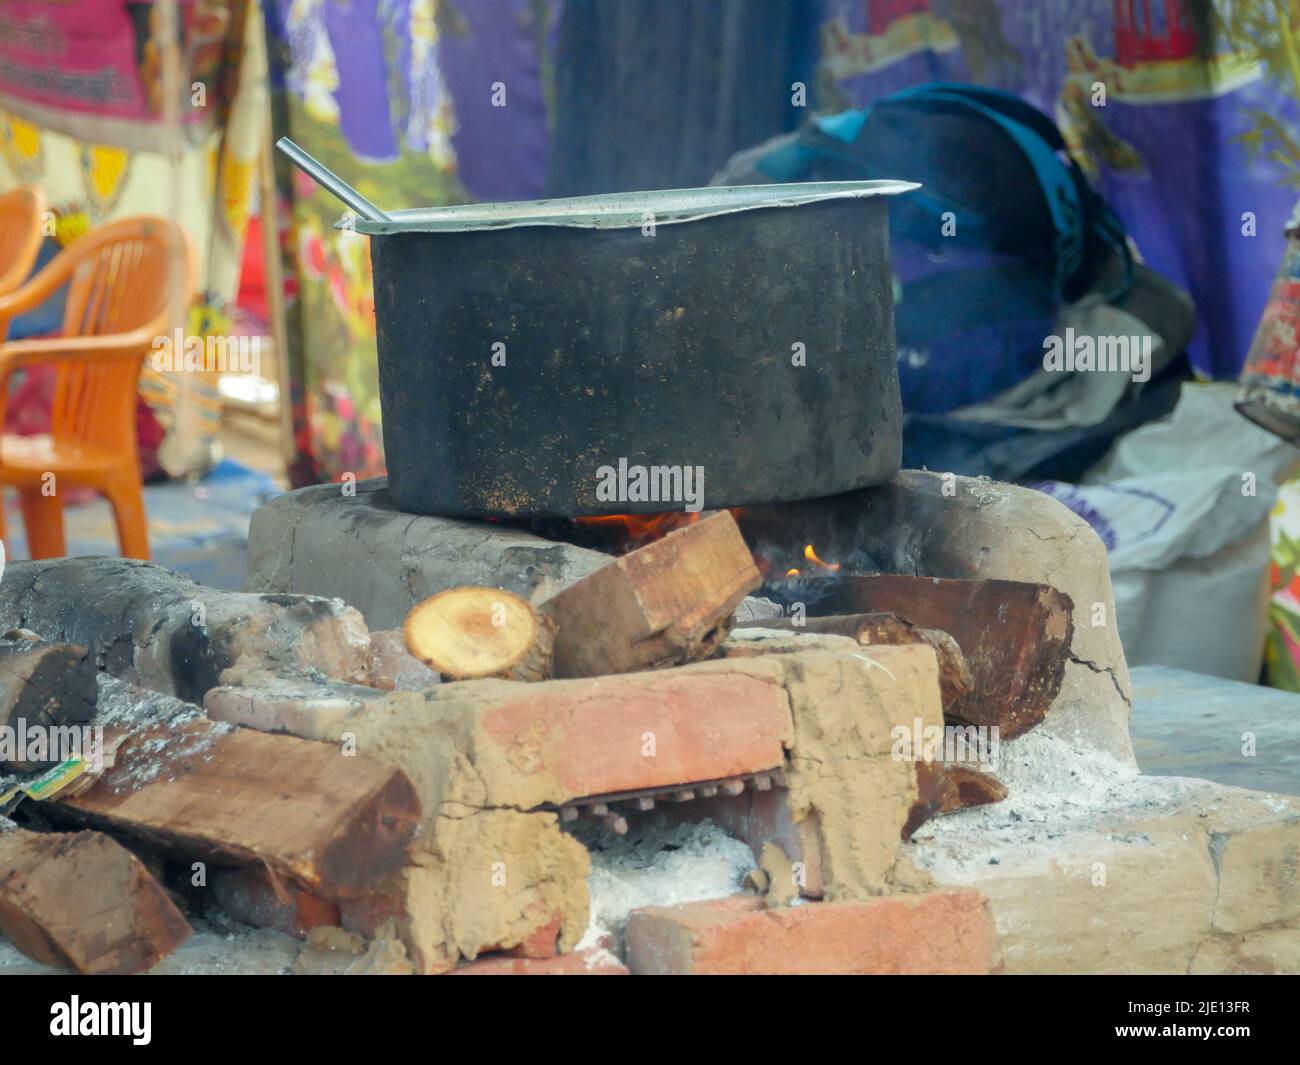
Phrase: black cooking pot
[638,352]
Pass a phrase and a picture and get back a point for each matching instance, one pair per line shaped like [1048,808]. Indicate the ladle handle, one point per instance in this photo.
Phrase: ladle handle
[330,181]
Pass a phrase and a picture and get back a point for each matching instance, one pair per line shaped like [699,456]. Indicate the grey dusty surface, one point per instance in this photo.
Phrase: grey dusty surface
[1192,725]
[208,952]
[1090,867]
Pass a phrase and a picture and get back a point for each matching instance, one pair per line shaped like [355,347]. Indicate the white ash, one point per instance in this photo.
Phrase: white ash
[138,710]
[123,705]
[985,491]
[659,863]
[756,608]
[209,952]
[599,957]
[1054,789]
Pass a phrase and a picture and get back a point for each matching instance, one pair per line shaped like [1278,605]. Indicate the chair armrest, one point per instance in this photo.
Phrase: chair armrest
[38,288]
[19,353]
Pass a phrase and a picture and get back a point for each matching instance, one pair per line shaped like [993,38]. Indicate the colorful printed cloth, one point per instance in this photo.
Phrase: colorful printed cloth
[1184,112]
[397,97]
[81,115]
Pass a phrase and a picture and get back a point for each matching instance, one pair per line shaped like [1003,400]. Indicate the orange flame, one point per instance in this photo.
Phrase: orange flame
[811,556]
[642,528]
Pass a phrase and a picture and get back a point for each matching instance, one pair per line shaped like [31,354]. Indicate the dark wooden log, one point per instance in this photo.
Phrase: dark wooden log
[1014,636]
[954,678]
[147,624]
[42,686]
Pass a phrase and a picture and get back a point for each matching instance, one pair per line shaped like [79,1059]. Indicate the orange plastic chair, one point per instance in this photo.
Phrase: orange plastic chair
[120,279]
[21,212]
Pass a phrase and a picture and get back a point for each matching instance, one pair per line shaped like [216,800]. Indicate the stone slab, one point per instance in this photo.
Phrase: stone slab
[353,541]
[1190,724]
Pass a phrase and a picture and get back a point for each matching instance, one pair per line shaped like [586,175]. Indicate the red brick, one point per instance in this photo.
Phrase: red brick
[939,932]
[541,942]
[590,734]
[583,963]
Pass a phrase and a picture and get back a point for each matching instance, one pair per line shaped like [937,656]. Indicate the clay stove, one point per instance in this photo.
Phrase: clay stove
[521,807]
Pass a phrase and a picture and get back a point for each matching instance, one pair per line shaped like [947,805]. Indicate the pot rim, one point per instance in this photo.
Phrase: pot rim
[621,210]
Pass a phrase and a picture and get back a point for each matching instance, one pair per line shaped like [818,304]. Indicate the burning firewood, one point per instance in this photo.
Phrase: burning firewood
[471,632]
[954,678]
[665,604]
[199,789]
[83,901]
[42,685]
[1015,638]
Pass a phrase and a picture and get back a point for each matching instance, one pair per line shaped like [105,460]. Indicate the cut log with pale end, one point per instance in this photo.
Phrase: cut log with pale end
[42,686]
[954,678]
[473,632]
[665,604]
[206,791]
[1015,637]
[946,787]
[82,901]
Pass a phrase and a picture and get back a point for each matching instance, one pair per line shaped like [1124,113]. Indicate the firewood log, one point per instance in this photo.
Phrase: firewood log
[472,632]
[160,629]
[665,604]
[199,789]
[83,901]
[43,685]
[954,678]
[1014,636]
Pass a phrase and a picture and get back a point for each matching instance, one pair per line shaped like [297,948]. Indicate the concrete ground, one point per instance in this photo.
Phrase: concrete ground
[1190,725]
[198,527]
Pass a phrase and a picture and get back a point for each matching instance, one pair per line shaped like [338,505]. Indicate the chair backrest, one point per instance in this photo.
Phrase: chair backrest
[125,277]
[21,214]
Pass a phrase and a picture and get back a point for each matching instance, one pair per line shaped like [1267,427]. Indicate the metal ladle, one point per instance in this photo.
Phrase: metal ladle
[330,181]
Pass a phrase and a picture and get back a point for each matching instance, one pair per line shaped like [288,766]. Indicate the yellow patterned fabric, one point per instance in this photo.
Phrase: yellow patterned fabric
[96,170]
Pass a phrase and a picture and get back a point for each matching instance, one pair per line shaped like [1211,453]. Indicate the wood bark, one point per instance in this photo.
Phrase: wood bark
[945,787]
[43,686]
